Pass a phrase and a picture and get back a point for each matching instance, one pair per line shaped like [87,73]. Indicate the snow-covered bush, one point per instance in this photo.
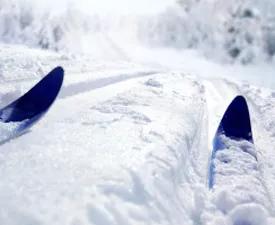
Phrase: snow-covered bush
[24,22]
[242,31]
[232,31]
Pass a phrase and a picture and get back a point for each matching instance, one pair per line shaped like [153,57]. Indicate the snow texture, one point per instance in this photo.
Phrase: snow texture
[126,144]
[129,138]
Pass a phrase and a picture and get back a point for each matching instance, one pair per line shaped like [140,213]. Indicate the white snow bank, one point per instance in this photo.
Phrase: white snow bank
[251,214]
[125,154]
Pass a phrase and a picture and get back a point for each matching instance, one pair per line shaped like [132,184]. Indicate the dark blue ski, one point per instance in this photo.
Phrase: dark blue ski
[235,125]
[20,115]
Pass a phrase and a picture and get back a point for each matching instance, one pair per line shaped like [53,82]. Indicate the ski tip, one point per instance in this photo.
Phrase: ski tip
[58,69]
[236,120]
[50,85]
[57,72]
[37,100]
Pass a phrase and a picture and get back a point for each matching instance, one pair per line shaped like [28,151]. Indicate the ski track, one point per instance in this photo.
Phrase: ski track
[161,166]
[128,145]
[262,110]
[264,138]
[87,86]
[225,91]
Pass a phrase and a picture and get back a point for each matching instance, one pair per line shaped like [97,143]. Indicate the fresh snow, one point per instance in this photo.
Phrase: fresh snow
[128,140]
[128,144]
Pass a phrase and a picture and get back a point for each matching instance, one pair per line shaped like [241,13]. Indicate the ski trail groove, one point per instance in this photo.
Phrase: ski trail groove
[230,91]
[258,124]
[86,86]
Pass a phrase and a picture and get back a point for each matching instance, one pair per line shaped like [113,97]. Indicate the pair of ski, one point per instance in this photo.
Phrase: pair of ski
[17,117]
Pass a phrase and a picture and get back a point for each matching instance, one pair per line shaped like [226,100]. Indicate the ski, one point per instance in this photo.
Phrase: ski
[234,132]
[20,115]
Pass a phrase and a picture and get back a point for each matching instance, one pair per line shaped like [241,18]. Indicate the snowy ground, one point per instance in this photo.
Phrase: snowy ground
[128,142]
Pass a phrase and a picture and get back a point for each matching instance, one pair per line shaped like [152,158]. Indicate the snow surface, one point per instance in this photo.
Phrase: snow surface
[128,144]
[128,140]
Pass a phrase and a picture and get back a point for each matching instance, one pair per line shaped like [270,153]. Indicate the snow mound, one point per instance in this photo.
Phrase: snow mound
[248,214]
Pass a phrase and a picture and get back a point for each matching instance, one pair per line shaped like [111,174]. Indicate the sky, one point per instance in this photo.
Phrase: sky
[115,6]
[126,6]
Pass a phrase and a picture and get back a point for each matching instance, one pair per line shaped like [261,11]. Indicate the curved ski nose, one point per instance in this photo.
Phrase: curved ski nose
[37,100]
[236,120]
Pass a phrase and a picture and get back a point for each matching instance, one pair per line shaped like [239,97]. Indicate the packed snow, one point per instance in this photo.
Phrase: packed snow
[129,138]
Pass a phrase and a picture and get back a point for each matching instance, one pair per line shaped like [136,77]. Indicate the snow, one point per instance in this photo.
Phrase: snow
[236,164]
[139,122]
[8,130]
[127,144]
[129,138]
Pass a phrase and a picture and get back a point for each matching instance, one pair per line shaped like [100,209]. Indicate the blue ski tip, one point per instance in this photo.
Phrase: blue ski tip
[36,101]
[235,125]
[236,121]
